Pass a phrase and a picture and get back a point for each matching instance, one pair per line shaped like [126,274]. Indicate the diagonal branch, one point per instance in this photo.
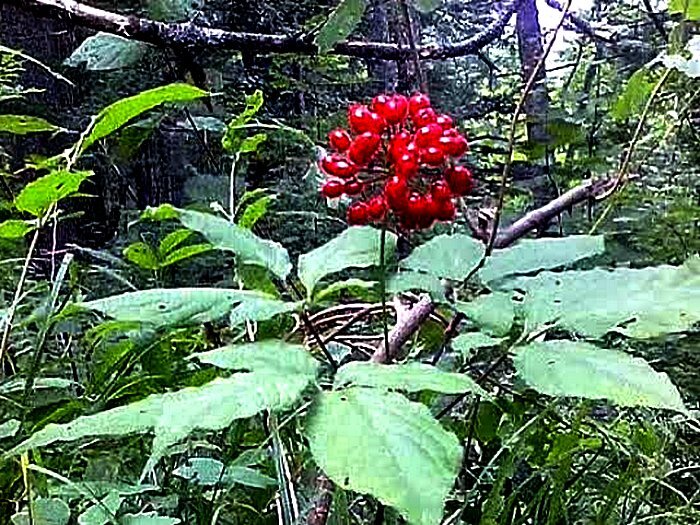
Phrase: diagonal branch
[189,35]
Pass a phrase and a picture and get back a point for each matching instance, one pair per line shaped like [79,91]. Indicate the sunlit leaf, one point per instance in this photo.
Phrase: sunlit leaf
[634,96]
[255,211]
[15,229]
[446,256]
[494,313]
[38,196]
[142,255]
[24,125]
[234,136]
[690,9]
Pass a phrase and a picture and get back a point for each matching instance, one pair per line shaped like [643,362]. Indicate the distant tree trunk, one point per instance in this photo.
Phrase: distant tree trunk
[531,51]
[405,33]
[383,71]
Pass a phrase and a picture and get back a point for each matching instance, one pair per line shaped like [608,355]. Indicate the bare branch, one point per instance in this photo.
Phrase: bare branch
[193,36]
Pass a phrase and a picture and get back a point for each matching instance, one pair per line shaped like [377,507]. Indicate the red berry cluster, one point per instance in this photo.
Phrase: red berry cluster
[399,157]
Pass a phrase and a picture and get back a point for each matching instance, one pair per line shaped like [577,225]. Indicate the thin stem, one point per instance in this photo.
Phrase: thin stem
[382,285]
[232,190]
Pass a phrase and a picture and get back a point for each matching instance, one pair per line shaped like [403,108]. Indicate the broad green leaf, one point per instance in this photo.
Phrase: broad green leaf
[106,52]
[45,511]
[103,513]
[121,112]
[41,383]
[578,369]
[261,309]
[340,23]
[634,96]
[690,9]
[147,518]
[531,255]
[269,355]
[249,248]
[209,471]
[466,343]
[446,256]
[405,281]
[142,255]
[178,306]
[380,443]
[639,303]
[354,287]
[234,136]
[494,313]
[173,240]
[186,252]
[173,416]
[427,6]
[170,10]
[15,229]
[409,377]
[38,196]
[9,428]
[356,247]
[255,211]
[24,125]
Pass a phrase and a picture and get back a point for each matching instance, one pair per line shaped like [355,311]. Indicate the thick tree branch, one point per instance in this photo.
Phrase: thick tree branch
[409,318]
[192,36]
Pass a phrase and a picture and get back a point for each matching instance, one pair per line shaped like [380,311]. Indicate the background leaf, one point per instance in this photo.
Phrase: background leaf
[494,313]
[107,52]
[341,22]
[24,125]
[446,256]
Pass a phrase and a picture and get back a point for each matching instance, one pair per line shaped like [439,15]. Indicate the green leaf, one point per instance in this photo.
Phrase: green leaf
[262,309]
[578,369]
[639,303]
[233,138]
[170,10]
[45,511]
[255,211]
[171,417]
[173,240]
[121,112]
[381,444]
[409,377]
[446,256]
[201,471]
[38,196]
[178,306]
[103,513]
[9,428]
[249,248]
[142,255]
[251,144]
[15,229]
[531,255]
[248,477]
[106,52]
[147,518]
[356,247]
[24,125]
[355,287]
[466,343]
[494,313]
[634,96]
[690,9]
[427,6]
[186,252]
[408,281]
[340,23]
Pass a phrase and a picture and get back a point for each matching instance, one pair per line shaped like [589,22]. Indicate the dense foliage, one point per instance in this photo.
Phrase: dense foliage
[251,275]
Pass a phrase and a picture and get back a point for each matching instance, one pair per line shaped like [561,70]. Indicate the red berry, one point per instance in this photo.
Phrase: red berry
[396,193]
[428,135]
[418,102]
[353,187]
[376,208]
[398,144]
[451,132]
[424,117]
[332,189]
[406,166]
[358,214]
[398,109]
[338,166]
[339,139]
[364,147]
[445,211]
[454,146]
[440,191]
[379,104]
[427,212]
[460,180]
[432,156]
[444,121]
[362,119]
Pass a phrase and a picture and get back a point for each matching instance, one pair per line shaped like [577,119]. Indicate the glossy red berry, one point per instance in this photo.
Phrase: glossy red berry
[376,208]
[363,147]
[396,193]
[339,139]
[440,191]
[338,166]
[406,166]
[379,104]
[358,214]
[432,156]
[424,117]
[398,145]
[460,180]
[445,210]
[418,102]
[454,146]
[398,109]
[451,132]
[444,121]
[361,119]
[332,189]
[353,187]
[428,135]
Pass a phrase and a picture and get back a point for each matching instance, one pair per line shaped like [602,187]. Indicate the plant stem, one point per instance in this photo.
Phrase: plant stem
[382,285]
[232,190]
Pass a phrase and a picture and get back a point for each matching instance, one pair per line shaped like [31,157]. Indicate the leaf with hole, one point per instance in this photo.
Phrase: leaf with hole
[380,443]
[578,369]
